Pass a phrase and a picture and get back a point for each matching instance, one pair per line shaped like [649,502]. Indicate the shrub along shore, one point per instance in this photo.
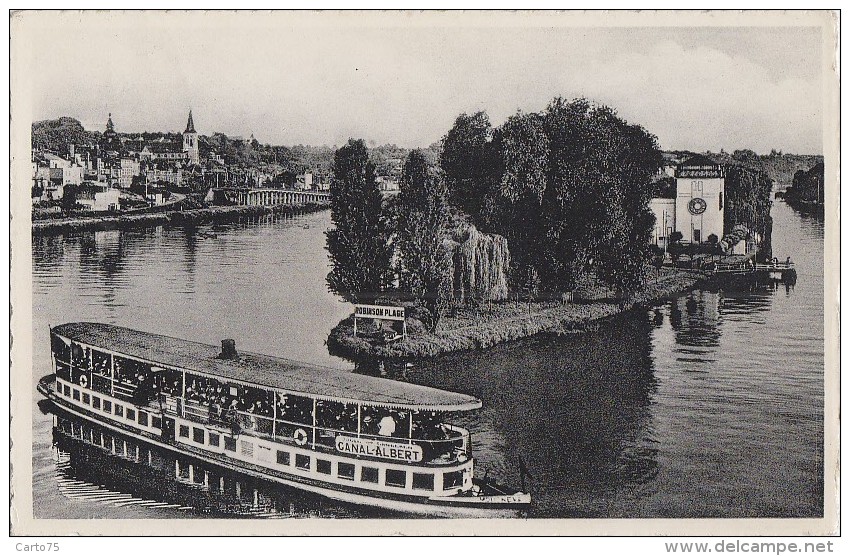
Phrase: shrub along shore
[507,321]
[177,217]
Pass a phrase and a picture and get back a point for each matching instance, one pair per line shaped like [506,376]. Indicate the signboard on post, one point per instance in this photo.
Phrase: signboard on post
[380,312]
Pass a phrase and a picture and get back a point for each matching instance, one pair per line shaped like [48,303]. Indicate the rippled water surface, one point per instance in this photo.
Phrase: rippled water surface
[710,405]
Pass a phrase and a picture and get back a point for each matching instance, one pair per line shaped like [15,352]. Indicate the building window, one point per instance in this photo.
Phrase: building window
[119,410]
[721,201]
[198,435]
[323,466]
[282,457]
[143,418]
[214,439]
[396,478]
[302,462]
[345,471]
[452,479]
[95,402]
[697,235]
[76,394]
[369,475]
[423,481]
[184,431]
[107,406]
[131,414]
[230,443]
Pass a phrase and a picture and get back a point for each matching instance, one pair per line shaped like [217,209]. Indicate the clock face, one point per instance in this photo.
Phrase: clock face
[697,206]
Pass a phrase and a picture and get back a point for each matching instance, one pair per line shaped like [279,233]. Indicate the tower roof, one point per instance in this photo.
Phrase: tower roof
[109,125]
[190,125]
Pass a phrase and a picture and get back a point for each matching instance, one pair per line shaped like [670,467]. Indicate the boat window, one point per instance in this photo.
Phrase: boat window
[156,422]
[295,409]
[384,422]
[131,414]
[86,399]
[369,474]
[323,466]
[119,410]
[452,479]
[214,439]
[423,481]
[184,431]
[107,406]
[95,402]
[101,363]
[67,389]
[345,470]
[282,457]
[76,394]
[396,478]
[79,356]
[198,435]
[143,418]
[171,382]
[302,461]
[230,443]
[336,415]
[61,348]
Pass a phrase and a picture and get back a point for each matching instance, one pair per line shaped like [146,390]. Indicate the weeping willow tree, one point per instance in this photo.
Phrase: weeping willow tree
[481,264]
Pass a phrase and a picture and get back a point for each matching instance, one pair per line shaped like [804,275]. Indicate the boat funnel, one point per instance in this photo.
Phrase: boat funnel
[228,350]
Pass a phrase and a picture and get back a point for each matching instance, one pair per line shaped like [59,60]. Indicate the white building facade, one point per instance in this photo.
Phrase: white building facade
[700,199]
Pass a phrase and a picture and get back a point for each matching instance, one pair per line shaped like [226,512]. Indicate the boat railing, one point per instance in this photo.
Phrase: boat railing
[451,443]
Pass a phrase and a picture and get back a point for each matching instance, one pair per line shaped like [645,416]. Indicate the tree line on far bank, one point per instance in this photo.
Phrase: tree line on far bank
[566,190]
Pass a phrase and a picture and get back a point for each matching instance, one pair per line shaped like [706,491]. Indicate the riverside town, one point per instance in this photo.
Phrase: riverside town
[488,292]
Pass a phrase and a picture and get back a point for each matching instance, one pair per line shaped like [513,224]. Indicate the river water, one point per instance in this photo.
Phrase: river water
[710,405]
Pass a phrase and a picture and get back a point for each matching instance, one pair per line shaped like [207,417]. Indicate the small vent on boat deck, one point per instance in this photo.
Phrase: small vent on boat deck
[228,350]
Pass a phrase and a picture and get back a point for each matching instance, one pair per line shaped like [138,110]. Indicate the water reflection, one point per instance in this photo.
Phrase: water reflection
[575,408]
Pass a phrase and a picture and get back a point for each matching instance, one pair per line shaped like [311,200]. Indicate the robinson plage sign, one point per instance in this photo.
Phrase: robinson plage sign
[379,312]
[378,448]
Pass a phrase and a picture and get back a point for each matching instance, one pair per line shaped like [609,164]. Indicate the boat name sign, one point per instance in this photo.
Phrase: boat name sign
[378,448]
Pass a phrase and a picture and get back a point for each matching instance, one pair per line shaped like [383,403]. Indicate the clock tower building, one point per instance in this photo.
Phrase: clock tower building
[700,199]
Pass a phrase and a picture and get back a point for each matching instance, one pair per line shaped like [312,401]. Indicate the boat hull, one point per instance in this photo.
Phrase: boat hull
[466,505]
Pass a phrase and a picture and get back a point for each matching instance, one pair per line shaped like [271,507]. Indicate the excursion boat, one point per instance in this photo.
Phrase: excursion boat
[357,439]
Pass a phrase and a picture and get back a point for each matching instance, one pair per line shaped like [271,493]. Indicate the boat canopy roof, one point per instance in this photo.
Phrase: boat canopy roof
[266,371]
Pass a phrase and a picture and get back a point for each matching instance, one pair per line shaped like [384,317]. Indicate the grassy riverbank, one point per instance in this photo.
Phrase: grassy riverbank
[178,217]
[487,326]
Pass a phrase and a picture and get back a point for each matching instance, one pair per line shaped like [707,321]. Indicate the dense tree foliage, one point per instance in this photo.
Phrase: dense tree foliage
[359,243]
[748,201]
[57,135]
[808,186]
[569,188]
[421,218]
[468,162]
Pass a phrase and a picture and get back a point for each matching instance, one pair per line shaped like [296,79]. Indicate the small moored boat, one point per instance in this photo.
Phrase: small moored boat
[353,438]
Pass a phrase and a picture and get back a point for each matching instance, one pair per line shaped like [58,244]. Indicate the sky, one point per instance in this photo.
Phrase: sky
[403,78]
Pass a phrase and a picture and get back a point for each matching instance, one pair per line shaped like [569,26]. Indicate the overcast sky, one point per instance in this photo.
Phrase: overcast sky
[315,80]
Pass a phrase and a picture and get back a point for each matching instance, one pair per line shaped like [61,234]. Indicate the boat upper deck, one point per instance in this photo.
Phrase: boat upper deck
[264,370]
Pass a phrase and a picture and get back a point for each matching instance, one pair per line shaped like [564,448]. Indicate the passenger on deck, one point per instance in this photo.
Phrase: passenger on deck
[386,426]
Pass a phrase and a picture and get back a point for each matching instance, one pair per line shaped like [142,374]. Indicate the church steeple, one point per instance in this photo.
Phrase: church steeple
[111,127]
[190,142]
[190,125]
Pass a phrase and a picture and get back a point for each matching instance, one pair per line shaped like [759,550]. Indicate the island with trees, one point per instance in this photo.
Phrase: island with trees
[538,225]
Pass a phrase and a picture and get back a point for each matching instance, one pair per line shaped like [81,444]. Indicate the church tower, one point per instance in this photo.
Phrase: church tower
[190,141]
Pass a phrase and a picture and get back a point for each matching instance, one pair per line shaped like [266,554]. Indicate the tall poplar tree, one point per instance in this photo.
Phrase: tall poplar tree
[358,244]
